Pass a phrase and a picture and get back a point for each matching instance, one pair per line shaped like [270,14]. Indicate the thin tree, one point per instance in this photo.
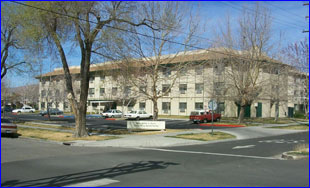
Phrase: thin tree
[152,72]
[297,55]
[246,52]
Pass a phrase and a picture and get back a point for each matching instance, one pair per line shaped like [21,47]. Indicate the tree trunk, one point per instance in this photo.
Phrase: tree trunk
[241,114]
[276,116]
[155,110]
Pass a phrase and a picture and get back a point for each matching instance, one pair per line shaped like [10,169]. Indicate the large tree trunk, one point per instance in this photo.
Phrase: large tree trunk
[155,109]
[80,123]
[241,114]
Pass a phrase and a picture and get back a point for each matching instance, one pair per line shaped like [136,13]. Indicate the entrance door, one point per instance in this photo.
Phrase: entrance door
[290,112]
[247,111]
[259,109]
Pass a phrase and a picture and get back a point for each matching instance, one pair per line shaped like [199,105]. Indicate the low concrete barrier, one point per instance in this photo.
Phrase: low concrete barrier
[146,125]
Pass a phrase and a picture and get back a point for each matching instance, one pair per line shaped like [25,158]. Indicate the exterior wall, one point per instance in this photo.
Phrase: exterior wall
[190,97]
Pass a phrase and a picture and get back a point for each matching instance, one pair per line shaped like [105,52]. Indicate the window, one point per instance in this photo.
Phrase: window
[142,89]
[127,90]
[142,105]
[183,71]
[65,105]
[199,106]
[43,93]
[165,89]
[42,105]
[182,106]
[220,107]
[130,106]
[57,93]
[91,80]
[199,70]
[102,78]
[219,88]
[182,88]
[218,69]
[91,92]
[166,107]
[114,91]
[199,88]
[102,91]
[166,71]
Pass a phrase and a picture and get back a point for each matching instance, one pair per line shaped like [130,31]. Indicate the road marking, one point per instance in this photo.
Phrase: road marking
[281,141]
[209,153]
[94,183]
[242,147]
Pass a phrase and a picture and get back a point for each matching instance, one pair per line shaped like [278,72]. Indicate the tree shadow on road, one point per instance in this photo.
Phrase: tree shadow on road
[121,169]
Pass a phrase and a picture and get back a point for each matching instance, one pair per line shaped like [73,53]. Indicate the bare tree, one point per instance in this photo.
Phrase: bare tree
[246,52]
[151,71]
[12,42]
[297,55]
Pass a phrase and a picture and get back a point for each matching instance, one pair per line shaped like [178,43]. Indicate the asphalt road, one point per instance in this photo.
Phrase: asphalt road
[253,162]
[103,123]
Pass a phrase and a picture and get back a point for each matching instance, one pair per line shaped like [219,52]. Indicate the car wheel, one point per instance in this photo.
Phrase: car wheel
[19,112]
[112,116]
[151,117]
[137,118]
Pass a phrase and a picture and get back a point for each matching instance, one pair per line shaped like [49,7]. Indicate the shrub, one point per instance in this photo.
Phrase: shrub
[299,114]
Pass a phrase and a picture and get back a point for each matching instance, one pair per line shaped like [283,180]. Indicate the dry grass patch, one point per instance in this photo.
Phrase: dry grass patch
[205,136]
[292,127]
[46,126]
[301,149]
[57,136]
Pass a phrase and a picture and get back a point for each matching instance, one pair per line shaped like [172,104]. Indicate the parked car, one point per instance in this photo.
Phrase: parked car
[7,127]
[6,109]
[53,111]
[138,114]
[24,109]
[200,116]
[112,113]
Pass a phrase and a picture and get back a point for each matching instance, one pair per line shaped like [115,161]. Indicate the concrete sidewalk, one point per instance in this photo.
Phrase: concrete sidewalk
[161,140]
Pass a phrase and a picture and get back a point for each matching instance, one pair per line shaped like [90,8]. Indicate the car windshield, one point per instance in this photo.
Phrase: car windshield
[194,113]
[133,112]
[109,111]
[5,121]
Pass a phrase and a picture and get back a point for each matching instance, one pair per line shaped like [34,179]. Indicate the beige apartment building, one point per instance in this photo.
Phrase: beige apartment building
[194,87]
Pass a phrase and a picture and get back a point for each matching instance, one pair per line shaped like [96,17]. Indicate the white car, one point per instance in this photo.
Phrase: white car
[138,114]
[112,113]
[24,109]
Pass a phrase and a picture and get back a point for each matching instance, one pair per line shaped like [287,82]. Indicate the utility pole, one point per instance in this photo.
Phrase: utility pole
[307,17]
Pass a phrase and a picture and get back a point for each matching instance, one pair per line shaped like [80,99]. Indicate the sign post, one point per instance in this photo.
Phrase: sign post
[212,105]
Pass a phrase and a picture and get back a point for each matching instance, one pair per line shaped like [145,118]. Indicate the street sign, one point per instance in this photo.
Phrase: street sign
[212,105]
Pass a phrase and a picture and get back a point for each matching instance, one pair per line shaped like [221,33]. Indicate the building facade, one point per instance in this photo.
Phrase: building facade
[196,84]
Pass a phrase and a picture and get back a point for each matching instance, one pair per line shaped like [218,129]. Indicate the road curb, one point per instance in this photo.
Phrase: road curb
[288,156]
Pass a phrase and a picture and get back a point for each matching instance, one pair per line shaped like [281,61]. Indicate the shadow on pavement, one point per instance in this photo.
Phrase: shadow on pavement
[74,178]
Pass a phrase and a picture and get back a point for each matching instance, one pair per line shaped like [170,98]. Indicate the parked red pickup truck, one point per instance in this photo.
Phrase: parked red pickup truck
[203,116]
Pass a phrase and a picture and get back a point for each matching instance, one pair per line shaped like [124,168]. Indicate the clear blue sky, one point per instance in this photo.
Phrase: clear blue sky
[288,18]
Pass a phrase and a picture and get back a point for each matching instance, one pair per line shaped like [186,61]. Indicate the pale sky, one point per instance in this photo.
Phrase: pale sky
[288,19]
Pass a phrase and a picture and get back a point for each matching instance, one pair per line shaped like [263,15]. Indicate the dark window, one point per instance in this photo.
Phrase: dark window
[182,106]
[183,88]
[102,91]
[166,71]
[114,91]
[199,88]
[166,107]
[91,92]
[199,106]
[142,105]
[165,89]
